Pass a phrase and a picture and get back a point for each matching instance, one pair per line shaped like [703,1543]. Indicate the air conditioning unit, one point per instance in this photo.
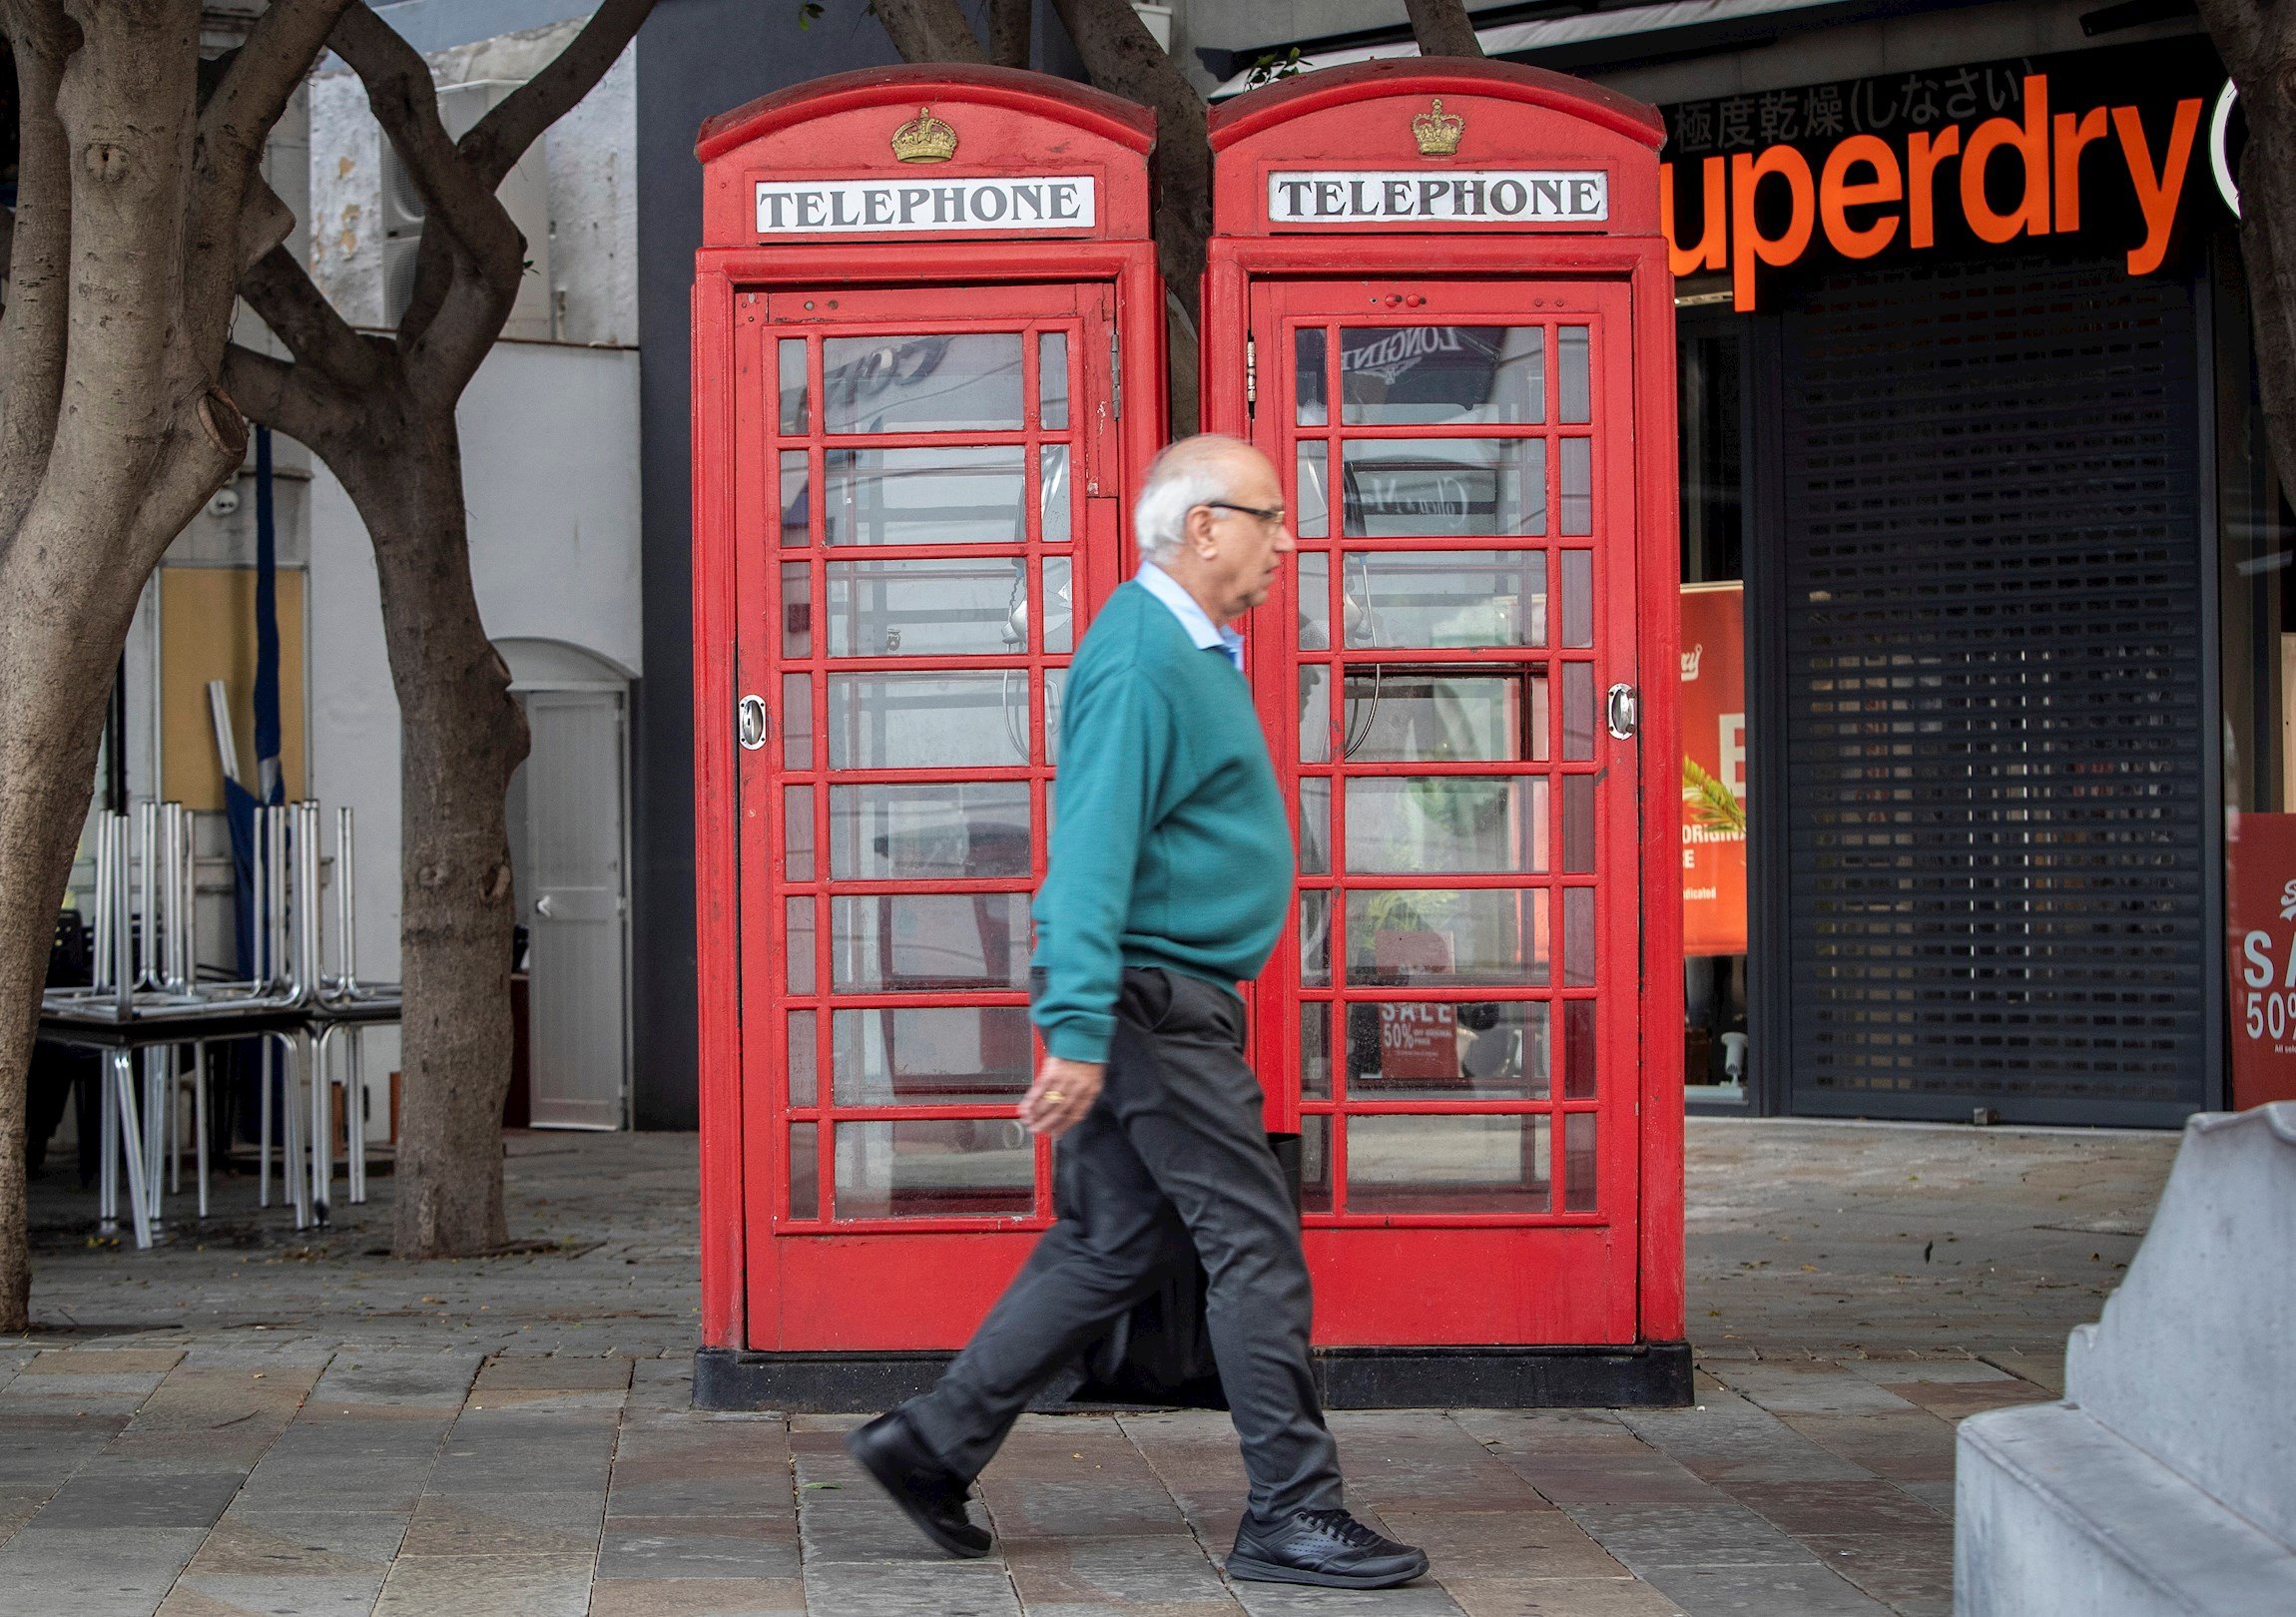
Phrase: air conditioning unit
[525,196]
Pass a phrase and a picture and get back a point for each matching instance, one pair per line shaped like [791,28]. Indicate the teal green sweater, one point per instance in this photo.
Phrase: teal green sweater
[1170,844]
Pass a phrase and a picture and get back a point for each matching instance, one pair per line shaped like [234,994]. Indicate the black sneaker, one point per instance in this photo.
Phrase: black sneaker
[928,1493]
[1325,1547]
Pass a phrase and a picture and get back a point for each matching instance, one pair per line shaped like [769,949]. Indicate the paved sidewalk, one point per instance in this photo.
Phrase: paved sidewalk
[249,1421]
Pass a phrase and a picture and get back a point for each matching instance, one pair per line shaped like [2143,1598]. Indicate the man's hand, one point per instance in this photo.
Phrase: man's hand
[1063,1092]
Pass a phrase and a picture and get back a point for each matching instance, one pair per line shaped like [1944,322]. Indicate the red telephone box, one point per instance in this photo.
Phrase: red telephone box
[1438,298]
[928,369]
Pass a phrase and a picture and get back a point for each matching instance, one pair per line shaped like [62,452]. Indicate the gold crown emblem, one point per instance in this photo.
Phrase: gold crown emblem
[1437,132]
[925,139]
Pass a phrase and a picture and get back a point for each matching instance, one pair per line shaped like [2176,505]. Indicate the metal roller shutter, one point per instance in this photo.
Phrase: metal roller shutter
[1997,824]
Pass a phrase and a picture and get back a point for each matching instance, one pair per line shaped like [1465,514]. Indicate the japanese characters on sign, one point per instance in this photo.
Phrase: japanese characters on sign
[905,207]
[1463,197]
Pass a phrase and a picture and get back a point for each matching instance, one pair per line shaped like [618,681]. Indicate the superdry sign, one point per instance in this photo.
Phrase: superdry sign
[2117,150]
[893,208]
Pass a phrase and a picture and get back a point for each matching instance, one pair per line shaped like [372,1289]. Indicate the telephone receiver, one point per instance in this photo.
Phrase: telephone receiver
[1017,619]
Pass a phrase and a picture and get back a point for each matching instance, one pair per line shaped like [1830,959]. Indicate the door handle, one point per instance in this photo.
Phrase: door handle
[542,906]
[1624,711]
[750,722]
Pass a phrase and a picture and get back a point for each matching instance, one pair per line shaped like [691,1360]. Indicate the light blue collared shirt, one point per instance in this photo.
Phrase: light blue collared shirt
[1207,635]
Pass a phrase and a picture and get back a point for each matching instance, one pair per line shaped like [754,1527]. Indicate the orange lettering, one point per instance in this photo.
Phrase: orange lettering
[2071,138]
[1747,242]
[1838,194]
[2158,194]
[1923,155]
[1713,243]
[2031,143]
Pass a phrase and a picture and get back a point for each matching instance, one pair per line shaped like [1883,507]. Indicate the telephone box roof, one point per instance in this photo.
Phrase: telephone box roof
[1287,98]
[1094,111]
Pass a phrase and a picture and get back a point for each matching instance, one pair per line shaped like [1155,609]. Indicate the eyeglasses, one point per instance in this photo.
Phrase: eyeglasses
[1270,514]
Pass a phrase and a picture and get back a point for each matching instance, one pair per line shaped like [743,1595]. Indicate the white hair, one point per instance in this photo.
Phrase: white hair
[1183,475]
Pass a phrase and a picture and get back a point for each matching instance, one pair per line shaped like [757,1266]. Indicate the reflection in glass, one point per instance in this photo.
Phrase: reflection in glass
[797,609]
[792,379]
[1052,380]
[1452,1163]
[1055,683]
[943,831]
[1402,488]
[1578,1162]
[1316,824]
[1415,598]
[1059,606]
[1578,824]
[1443,822]
[934,1168]
[1578,1049]
[1315,712]
[927,608]
[1578,938]
[932,1055]
[1314,939]
[1308,374]
[898,942]
[1578,598]
[1315,1163]
[1315,1050]
[1426,937]
[797,834]
[797,722]
[1314,591]
[798,942]
[928,720]
[1312,510]
[1419,716]
[1425,376]
[797,509]
[964,381]
[804,1061]
[1053,492]
[1423,1050]
[1577,711]
[952,496]
[805,1170]
[1570,365]
[1577,487]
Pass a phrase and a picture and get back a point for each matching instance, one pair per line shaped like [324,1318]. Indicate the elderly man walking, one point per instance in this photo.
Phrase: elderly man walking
[1171,876]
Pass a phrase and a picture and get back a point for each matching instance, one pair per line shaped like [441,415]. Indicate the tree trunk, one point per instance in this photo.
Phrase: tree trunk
[460,737]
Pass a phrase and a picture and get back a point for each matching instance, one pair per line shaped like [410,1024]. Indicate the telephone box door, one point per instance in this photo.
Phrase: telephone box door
[1466,958]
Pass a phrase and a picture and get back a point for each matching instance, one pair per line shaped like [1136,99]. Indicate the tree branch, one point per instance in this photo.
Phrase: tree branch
[278,50]
[1008,25]
[280,292]
[35,327]
[296,399]
[1443,28]
[494,146]
[928,30]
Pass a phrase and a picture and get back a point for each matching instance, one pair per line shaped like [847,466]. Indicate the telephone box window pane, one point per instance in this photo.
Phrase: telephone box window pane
[795,416]
[797,507]
[1307,378]
[935,1168]
[1053,492]
[1578,1049]
[1418,716]
[1422,1050]
[1427,937]
[1315,713]
[952,496]
[797,834]
[798,942]
[1578,824]
[933,1055]
[1055,682]
[927,608]
[1314,825]
[1441,375]
[1052,380]
[1578,938]
[805,1064]
[905,943]
[1570,364]
[1316,1164]
[1059,606]
[1443,822]
[1315,600]
[960,381]
[797,609]
[928,720]
[1312,509]
[1450,1163]
[1316,938]
[1578,1162]
[1578,598]
[1577,487]
[1315,1050]
[1577,712]
[940,832]
[805,1170]
[797,722]
[1436,488]
[1446,598]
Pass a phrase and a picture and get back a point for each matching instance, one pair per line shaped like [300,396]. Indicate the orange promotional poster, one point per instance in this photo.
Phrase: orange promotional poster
[2260,918]
[1713,768]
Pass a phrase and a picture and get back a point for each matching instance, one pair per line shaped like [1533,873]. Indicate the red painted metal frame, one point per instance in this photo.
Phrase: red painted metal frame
[1406,1284]
[1008,123]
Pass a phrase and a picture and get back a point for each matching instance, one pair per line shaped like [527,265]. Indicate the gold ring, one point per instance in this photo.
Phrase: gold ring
[1054,1096]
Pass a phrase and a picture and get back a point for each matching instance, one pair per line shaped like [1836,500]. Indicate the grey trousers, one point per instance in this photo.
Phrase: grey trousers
[1173,1157]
